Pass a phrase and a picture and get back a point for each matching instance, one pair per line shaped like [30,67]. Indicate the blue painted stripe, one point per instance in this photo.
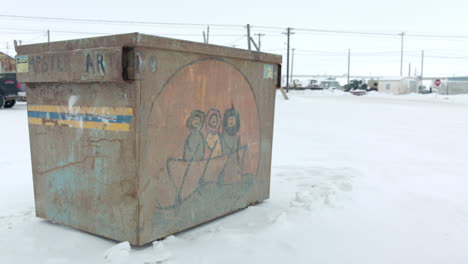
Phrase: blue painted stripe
[82,117]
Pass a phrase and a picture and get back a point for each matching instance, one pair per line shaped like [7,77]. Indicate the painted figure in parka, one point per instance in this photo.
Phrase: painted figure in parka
[213,140]
[194,149]
[231,125]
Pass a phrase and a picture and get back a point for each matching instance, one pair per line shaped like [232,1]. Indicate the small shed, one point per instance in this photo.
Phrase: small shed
[7,63]
[398,85]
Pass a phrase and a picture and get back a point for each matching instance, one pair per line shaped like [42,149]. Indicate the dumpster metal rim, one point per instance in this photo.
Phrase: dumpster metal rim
[143,40]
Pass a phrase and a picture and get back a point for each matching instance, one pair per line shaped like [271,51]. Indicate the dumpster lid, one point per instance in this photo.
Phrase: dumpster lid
[143,40]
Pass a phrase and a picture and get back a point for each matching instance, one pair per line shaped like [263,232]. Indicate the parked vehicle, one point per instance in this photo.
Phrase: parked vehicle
[330,83]
[354,85]
[373,85]
[424,90]
[296,84]
[10,90]
[358,92]
[22,92]
[313,85]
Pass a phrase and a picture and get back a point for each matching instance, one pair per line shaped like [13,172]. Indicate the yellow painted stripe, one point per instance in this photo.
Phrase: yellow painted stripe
[78,124]
[35,121]
[82,109]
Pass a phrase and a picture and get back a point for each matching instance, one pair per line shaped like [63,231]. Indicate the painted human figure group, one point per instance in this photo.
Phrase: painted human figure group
[216,143]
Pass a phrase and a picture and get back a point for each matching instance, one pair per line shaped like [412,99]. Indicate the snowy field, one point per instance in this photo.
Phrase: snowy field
[371,179]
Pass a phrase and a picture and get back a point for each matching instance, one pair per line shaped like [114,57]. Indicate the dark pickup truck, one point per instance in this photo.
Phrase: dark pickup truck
[10,90]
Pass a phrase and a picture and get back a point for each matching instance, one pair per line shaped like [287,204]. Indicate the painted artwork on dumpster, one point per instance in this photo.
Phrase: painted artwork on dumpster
[211,135]
[213,157]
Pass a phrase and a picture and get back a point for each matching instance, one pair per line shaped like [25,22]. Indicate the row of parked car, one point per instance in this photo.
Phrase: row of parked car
[332,84]
[11,91]
[315,85]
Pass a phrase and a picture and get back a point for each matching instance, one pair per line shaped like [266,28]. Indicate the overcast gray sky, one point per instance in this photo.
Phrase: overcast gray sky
[316,53]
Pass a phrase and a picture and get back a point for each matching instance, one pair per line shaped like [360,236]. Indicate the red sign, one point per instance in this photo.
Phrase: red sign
[437,82]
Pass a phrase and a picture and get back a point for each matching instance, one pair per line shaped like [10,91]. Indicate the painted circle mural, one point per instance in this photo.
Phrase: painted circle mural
[208,126]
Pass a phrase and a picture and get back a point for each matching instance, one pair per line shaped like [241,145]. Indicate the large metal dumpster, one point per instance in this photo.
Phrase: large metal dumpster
[135,137]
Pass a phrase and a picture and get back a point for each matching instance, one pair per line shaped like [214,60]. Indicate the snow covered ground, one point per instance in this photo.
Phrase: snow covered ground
[371,179]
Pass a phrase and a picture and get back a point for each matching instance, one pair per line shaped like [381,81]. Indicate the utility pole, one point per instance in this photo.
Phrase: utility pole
[349,62]
[259,40]
[401,60]
[206,37]
[248,37]
[448,86]
[292,65]
[287,65]
[48,35]
[422,66]
[251,41]
[288,33]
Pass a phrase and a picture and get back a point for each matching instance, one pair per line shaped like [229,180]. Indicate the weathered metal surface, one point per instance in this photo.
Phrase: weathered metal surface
[90,65]
[84,156]
[184,139]
[142,40]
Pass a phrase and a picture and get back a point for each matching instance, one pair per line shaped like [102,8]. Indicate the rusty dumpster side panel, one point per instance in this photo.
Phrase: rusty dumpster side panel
[82,136]
[182,186]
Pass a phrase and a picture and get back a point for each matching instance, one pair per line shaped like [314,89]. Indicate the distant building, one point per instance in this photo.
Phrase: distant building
[373,85]
[398,85]
[7,63]
[453,85]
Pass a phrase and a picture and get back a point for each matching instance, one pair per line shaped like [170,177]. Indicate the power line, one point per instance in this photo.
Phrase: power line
[267,27]
[365,54]
[447,57]
[106,33]
[345,52]
[161,34]
[357,55]
[347,32]
[110,21]
[438,36]
[235,41]
[21,29]
[272,28]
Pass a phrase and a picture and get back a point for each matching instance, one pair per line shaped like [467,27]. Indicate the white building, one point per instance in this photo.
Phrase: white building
[453,85]
[398,85]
